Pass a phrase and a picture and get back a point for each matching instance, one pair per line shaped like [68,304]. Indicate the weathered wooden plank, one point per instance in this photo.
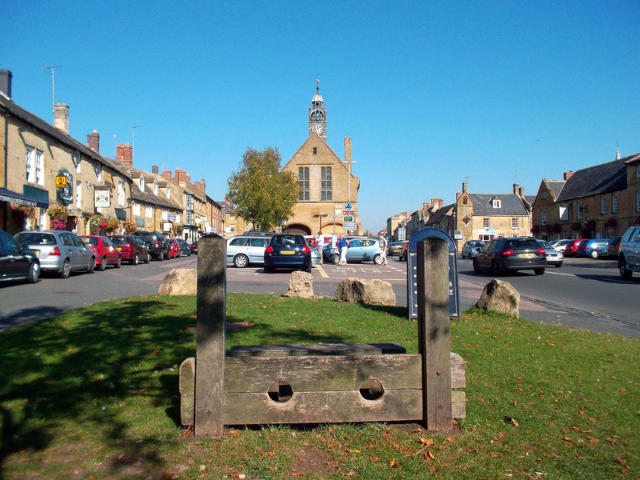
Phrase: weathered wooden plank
[433,318]
[315,349]
[210,348]
[315,373]
[187,388]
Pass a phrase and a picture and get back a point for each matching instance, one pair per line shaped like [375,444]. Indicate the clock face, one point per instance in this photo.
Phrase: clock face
[318,128]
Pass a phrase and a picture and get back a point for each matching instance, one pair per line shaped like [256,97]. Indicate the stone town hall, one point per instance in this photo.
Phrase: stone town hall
[325,183]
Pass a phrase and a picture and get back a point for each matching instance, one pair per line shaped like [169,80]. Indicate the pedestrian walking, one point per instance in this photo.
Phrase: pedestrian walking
[343,246]
[382,241]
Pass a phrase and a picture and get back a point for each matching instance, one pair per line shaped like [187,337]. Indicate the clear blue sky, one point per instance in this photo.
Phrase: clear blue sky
[431,92]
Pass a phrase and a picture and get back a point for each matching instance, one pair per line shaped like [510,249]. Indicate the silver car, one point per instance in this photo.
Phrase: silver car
[244,250]
[554,257]
[59,251]
[629,256]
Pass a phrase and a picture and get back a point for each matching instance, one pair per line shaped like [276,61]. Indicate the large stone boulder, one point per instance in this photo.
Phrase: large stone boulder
[501,297]
[179,281]
[300,285]
[370,292]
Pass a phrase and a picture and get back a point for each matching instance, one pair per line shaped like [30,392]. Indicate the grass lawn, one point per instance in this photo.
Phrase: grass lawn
[93,393]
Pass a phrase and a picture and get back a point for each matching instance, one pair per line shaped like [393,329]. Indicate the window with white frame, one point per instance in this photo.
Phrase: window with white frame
[78,167]
[121,193]
[515,222]
[35,166]
[603,205]
[543,217]
[155,188]
[141,183]
[189,202]
[637,171]
[579,210]
[485,222]
[99,173]
[78,194]
[136,209]
[149,211]
[168,192]
[496,203]
[563,212]
[165,215]
[614,204]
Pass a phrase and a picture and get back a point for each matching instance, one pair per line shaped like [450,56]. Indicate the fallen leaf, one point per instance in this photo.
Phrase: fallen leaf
[511,421]
[426,441]
[433,469]
[450,439]
[393,463]
[233,432]
[592,440]
[428,455]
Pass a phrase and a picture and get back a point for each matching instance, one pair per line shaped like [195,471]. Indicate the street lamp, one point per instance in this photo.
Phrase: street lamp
[320,216]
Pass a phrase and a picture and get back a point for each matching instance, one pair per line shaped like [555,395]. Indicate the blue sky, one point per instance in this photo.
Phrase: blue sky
[431,92]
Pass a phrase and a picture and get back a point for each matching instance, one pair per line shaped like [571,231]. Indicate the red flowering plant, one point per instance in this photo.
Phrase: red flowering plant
[58,217]
[130,228]
[100,225]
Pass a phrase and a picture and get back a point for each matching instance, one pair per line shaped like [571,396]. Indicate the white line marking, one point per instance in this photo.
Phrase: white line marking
[559,273]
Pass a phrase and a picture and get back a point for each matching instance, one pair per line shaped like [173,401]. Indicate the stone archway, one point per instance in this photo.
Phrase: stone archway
[297,228]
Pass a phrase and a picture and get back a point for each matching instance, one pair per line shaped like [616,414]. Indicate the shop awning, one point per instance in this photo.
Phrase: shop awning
[9,196]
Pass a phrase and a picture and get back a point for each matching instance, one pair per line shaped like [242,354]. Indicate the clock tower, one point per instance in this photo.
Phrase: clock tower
[318,114]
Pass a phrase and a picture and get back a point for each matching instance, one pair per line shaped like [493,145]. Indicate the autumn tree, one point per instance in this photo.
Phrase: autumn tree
[260,192]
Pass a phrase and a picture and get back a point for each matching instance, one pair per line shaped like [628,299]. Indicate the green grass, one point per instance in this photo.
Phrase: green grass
[94,393]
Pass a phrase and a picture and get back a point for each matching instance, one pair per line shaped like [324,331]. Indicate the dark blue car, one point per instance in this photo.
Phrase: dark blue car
[287,250]
[593,247]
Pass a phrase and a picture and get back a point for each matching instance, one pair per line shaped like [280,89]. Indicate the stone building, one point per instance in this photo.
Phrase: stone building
[485,216]
[44,168]
[216,216]
[594,202]
[326,184]
[396,229]
[234,224]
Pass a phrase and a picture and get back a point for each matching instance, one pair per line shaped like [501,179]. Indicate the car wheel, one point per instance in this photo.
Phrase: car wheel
[335,258]
[161,256]
[119,262]
[148,259]
[103,264]
[92,265]
[34,272]
[538,271]
[240,261]
[136,260]
[624,273]
[594,254]
[475,266]
[377,259]
[308,269]
[66,269]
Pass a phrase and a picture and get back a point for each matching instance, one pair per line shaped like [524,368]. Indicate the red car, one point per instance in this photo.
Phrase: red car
[571,249]
[174,248]
[132,249]
[106,253]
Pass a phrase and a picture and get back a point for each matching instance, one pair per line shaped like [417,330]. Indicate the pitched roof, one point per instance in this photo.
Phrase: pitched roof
[510,204]
[148,197]
[59,135]
[596,180]
[556,186]
[436,216]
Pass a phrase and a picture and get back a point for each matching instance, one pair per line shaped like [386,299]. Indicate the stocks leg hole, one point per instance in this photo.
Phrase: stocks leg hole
[371,389]
[280,391]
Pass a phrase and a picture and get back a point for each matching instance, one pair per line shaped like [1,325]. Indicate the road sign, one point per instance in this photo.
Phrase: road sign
[351,226]
[347,206]
[348,218]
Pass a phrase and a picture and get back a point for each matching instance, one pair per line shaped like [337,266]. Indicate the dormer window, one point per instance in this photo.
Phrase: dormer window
[155,188]
[496,203]
[168,190]
[142,184]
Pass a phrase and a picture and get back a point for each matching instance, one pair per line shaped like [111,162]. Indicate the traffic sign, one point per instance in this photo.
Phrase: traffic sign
[347,206]
[348,218]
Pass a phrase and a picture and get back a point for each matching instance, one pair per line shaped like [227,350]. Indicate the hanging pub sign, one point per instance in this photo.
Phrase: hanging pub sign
[102,197]
[64,190]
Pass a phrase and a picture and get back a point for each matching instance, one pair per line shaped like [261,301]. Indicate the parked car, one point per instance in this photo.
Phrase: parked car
[593,247]
[106,253]
[561,245]
[243,250]
[511,254]
[193,246]
[132,249]
[395,248]
[174,248]
[554,257]
[185,251]
[17,262]
[404,252]
[571,249]
[614,247]
[156,242]
[361,249]
[58,251]
[629,257]
[470,248]
[287,250]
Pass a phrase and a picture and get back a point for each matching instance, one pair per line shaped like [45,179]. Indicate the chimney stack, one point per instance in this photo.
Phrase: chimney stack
[521,192]
[515,188]
[180,176]
[200,184]
[155,169]
[61,117]
[347,150]
[166,174]
[465,186]
[5,82]
[93,141]
[124,154]
[568,175]
[436,203]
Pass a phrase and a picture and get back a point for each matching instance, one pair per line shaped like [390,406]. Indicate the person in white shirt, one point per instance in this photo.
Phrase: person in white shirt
[383,247]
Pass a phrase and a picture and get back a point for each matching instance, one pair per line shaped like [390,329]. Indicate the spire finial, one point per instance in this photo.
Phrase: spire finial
[617,150]
[317,85]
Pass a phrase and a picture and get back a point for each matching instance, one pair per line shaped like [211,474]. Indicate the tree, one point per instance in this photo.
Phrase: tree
[260,192]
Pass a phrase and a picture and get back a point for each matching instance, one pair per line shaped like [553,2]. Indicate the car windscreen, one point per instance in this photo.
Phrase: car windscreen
[288,240]
[522,244]
[36,238]
[119,240]
[91,241]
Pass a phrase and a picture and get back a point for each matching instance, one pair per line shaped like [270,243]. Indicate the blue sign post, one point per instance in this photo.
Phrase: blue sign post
[412,272]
